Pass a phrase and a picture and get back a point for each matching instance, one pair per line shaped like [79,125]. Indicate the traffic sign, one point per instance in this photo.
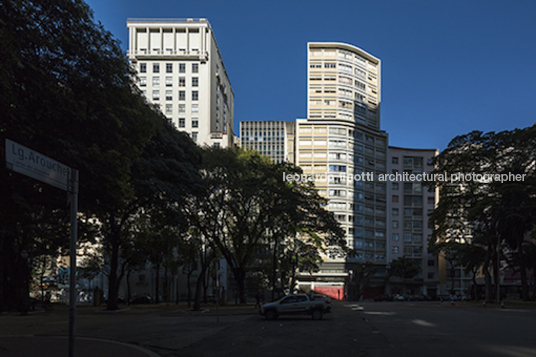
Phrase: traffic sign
[38,166]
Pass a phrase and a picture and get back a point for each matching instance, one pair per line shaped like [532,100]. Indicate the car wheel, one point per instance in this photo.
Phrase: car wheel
[270,315]
[317,314]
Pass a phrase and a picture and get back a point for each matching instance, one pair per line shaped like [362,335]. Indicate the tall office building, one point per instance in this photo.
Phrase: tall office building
[271,138]
[181,70]
[341,138]
[410,205]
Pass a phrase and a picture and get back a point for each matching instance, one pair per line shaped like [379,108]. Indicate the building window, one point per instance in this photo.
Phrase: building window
[169,81]
[156,68]
[182,108]
[156,95]
[195,82]
[169,109]
[217,145]
[194,136]
[395,160]
[407,237]
[395,224]
[431,263]
[195,68]
[430,275]
[182,95]
[431,200]
[143,81]
[195,95]
[395,250]
[169,95]
[195,108]
[395,185]
[143,67]
[395,211]
[182,68]
[395,198]
[182,122]
[195,123]
[182,81]
[395,236]
[156,81]
[169,67]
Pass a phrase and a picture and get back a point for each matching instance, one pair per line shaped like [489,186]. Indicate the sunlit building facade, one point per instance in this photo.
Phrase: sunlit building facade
[341,144]
[274,139]
[181,70]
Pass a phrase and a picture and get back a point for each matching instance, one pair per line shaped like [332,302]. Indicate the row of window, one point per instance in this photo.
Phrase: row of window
[169,81]
[194,123]
[169,67]
[413,161]
[169,95]
[410,200]
[168,109]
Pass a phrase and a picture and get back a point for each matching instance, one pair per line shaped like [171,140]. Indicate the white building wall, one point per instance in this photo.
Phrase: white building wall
[190,48]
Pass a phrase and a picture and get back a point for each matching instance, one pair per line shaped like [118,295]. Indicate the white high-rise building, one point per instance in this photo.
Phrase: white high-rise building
[180,69]
[341,139]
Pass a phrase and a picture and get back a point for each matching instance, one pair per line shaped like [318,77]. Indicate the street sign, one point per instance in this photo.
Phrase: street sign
[38,166]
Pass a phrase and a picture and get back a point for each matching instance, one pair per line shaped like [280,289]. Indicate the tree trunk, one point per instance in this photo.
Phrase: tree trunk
[166,285]
[487,277]
[113,283]
[205,288]
[496,278]
[274,266]
[128,287]
[523,270]
[157,282]
[240,279]
[189,297]
[199,289]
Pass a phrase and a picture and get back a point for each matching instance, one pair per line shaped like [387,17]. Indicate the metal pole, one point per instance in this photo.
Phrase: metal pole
[73,192]
[498,277]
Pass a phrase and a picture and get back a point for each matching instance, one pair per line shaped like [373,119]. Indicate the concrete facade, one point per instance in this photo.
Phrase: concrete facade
[410,205]
[180,69]
[271,138]
[341,144]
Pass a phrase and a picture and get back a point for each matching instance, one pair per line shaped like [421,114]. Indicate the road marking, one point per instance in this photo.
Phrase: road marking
[423,323]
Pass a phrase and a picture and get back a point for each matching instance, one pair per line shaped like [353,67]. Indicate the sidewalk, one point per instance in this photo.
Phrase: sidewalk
[30,345]
[130,332]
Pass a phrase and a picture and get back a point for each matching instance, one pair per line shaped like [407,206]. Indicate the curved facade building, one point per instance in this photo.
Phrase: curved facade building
[341,144]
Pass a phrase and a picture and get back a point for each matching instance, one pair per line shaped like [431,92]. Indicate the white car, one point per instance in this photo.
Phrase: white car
[315,305]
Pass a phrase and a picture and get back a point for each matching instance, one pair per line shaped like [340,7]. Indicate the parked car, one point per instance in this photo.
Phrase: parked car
[399,297]
[141,300]
[384,297]
[315,305]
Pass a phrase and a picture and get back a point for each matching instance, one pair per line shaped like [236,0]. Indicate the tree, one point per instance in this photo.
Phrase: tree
[247,203]
[404,268]
[68,92]
[486,212]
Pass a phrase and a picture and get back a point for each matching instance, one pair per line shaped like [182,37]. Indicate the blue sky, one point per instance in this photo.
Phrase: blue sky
[448,67]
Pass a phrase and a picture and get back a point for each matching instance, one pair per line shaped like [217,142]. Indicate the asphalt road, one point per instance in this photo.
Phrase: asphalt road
[380,330]
[359,330]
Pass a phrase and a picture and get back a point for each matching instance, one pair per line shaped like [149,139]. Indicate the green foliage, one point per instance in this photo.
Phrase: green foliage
[68,92]
[403,267]
[247,204]
[476,219]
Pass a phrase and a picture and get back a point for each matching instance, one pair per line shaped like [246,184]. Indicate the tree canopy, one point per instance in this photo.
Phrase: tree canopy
[68,92]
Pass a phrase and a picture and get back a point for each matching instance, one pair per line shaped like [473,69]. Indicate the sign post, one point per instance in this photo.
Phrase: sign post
[40,167]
